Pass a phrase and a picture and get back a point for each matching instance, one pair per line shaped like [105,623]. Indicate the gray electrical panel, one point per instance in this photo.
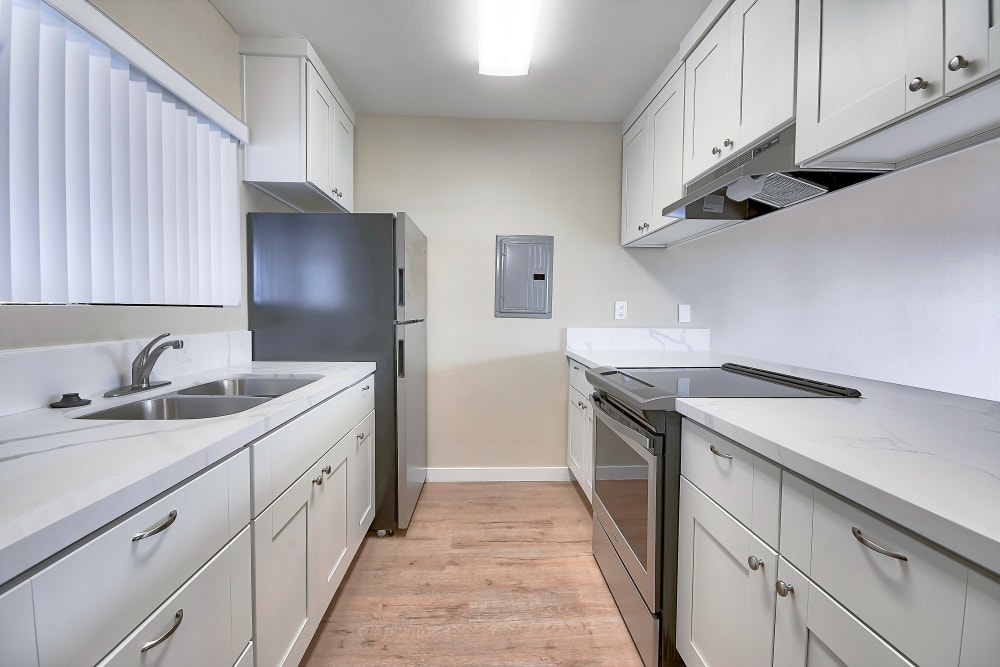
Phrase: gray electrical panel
[524,277]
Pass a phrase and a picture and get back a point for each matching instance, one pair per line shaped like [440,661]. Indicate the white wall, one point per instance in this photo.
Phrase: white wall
[896,279]
[497,387]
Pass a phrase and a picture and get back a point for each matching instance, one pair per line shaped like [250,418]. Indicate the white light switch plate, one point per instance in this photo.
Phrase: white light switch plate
[684,312]
[621,310]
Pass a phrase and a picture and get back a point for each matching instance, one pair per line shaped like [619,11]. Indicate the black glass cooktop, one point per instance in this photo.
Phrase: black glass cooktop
[658,388]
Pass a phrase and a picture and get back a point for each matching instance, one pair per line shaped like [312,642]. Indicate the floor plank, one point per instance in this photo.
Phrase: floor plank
[487,574]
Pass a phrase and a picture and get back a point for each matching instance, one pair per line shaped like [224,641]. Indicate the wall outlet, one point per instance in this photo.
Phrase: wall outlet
[621,310]
[684,313]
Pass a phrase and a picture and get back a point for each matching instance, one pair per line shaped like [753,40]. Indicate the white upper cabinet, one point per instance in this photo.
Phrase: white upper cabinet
[971,41]
[740,82]
[709,102]
[637,180]
[667,113]
[863,64]
[301,148]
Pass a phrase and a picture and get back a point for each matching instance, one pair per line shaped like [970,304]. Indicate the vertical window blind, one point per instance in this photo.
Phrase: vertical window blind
[112,189]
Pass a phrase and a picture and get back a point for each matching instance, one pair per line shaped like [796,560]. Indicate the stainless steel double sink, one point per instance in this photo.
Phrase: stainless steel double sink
[210,399]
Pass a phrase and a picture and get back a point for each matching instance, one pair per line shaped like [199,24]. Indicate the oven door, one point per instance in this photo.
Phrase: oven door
[627,482]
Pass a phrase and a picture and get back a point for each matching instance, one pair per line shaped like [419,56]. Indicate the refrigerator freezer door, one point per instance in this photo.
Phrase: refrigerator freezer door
[411,270]
[411,417]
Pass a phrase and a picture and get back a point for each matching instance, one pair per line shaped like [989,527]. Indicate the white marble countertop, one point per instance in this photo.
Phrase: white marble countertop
[927,460]
[62,478]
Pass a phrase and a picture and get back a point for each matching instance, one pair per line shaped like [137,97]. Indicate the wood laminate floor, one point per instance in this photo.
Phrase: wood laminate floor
[487,574]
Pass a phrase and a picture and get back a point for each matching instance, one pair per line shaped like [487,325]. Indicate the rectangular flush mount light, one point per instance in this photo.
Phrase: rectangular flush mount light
[506,36]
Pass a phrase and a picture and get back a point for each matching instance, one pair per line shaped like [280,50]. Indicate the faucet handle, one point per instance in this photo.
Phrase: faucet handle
[140,359]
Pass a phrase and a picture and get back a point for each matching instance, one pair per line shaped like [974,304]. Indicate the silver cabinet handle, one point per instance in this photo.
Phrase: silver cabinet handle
[327,469]
[318,481]
[957,63]
[716,150]
[783,589]
[366,387]
[874,547]
[728,143]
[361,436]
[340,194]
[918,84]
[721,455]
[336,192]
[157,528]
[755,563]
[178,617]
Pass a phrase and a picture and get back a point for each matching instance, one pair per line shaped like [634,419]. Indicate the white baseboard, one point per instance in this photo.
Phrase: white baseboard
[538,474]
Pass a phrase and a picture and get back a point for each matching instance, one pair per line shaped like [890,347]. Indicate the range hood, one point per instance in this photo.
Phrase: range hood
[758,181]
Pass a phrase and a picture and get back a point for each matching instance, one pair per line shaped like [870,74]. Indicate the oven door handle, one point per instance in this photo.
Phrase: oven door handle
[638,442]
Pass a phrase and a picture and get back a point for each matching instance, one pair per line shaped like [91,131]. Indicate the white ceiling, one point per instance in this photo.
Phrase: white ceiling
[592,60]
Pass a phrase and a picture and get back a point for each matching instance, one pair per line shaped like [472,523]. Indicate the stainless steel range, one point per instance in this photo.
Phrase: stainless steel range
[637,464]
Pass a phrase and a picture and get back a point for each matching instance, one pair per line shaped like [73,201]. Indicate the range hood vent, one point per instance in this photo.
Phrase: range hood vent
[758,181]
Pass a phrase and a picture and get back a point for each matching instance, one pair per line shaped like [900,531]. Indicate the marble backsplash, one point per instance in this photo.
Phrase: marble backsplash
[34,377]
[637,339]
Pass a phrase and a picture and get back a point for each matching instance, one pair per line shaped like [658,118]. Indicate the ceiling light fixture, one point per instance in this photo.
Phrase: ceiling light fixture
[506,36]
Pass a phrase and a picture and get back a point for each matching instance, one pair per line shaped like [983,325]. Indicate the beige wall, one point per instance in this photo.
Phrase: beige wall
[187,34]
[497,387]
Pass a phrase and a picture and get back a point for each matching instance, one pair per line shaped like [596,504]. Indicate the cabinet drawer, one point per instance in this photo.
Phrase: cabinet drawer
[578,378]
[281,456]
[195,624]
[745,485]
[917,604]
[86,602]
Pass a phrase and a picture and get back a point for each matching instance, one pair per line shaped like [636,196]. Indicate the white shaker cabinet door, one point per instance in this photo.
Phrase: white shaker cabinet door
[725,587]
[812,630]
[667,112]
[971,42]
[329,529]
[17,627]
[283,626]
[321,122]
[637,180]
[857,63]
[709,101]
[343,159]
[981,630]
[575,426]
[362,471]
[763,53]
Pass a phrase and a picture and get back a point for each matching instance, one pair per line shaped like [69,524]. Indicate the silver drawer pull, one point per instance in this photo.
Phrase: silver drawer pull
[366,387]
[318,481]
[158,528]
[720,454]
[327,469]
[755,563]
[783,589]
[874,547]
[178,617]
[361,436]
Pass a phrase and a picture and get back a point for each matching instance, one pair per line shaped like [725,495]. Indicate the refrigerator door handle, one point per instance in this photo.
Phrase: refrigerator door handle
[402,288]
[401,363]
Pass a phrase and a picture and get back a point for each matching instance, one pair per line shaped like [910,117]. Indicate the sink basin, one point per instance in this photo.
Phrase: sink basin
[179,407]
[267,386]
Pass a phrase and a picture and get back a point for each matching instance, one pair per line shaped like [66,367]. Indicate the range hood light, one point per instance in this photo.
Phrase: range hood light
[507,36]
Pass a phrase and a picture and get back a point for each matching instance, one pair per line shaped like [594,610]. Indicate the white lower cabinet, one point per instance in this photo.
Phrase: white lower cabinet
[580,447]
[17,627]
[725,591]
[304,541]
[206,622]
[281,577]
[812,630]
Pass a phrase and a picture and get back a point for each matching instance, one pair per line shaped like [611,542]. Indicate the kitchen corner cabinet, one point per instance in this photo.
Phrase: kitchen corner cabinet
[301,148]
[637,180]
[580,430]
[740,83]
[843,587]
[652,159]
[319,470]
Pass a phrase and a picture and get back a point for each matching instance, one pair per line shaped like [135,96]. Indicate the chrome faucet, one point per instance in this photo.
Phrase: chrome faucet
[142,366]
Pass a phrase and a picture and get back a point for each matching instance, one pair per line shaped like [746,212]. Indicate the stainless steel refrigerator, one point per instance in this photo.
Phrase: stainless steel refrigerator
[352,287]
